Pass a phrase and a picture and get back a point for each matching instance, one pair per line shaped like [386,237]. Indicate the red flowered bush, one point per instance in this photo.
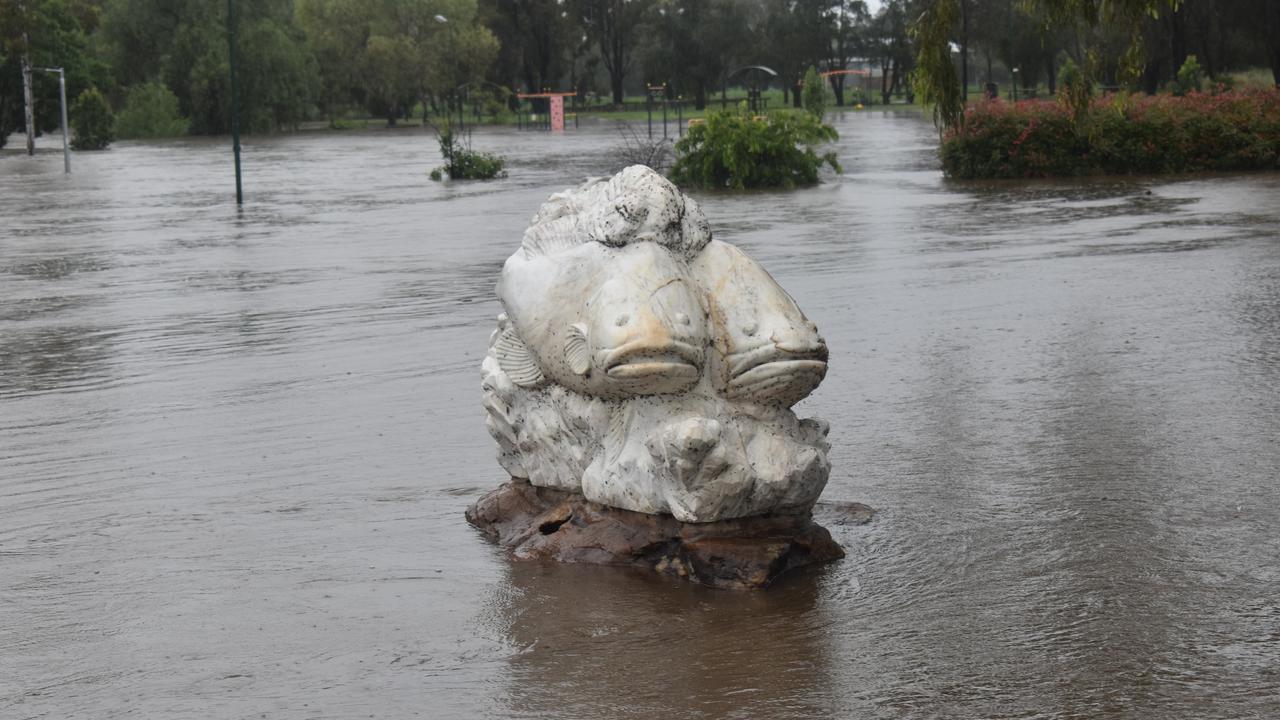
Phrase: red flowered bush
[1234,130]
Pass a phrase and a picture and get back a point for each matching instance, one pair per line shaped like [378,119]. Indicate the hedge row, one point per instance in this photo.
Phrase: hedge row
[1234,130]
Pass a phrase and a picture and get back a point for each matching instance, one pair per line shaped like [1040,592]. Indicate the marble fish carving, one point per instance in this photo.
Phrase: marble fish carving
[648,366]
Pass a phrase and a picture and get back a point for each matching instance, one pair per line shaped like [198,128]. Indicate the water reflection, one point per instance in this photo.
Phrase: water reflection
[586,636]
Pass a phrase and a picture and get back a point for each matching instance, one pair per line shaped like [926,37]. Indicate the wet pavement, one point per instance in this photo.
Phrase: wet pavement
[235,447]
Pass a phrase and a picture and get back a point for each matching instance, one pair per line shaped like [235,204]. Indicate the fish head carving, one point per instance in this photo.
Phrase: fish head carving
[644,329]
[765,349]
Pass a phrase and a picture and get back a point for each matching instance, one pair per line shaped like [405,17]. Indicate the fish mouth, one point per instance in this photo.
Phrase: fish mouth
[770,373]
[677,361]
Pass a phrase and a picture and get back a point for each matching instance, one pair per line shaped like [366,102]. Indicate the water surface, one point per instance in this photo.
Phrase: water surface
[235,446]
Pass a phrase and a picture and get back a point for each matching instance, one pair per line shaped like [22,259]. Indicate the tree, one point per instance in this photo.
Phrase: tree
[692,60]
[336,32]
[36,34]
[849,28]
[889,46]
[614,25]
[183,43]
[533,39]
[814,94]
[936,78]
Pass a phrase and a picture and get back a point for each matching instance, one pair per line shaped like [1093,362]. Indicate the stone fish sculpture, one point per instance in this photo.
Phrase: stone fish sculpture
[643,366]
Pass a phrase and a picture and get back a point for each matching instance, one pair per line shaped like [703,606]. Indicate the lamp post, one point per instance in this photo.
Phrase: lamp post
[453,79]
[235,96]
[62,91]
[1015,84]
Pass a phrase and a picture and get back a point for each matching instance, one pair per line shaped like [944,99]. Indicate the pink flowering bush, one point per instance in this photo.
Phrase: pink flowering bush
[1233,130]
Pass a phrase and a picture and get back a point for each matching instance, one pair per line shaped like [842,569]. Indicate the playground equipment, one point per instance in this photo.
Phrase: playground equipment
[555,116]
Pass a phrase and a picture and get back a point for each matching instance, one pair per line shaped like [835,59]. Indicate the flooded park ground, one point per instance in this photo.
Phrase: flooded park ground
[235,447]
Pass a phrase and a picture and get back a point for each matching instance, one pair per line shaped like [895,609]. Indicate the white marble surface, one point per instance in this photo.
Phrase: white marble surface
[648,366]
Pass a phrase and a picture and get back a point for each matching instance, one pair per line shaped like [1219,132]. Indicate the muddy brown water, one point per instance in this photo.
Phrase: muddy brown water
[235,447]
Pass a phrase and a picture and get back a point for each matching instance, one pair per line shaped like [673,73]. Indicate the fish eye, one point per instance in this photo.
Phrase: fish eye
[682,319]
[750,327]
[622,319]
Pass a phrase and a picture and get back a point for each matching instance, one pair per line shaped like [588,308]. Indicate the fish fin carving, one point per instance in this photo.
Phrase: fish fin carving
[516,360]
[619,426]
[576,350]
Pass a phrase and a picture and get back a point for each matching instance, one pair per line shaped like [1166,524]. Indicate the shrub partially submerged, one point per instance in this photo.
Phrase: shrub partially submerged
[91,119]
[463,163]
[150,111]
[1236,130]
[736,150]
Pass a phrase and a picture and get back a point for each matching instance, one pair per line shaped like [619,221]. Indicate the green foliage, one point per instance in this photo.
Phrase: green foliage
[935,77]
[91,119]
[1075,90]
[50,33]
[1189,77]
[463,163]
[183,44]
[150,111]
[1237,130]
[736,150]
[814,95]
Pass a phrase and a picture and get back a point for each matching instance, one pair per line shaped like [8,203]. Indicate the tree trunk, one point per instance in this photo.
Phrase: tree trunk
[964,50]
[700,96]
[615,80]
[837,85]
[28,101]
[795,97]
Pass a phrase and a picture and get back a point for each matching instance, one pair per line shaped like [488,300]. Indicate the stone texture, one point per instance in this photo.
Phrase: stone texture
[552,524]
[649,367]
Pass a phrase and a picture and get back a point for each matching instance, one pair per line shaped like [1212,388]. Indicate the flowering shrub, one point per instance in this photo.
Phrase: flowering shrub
[1234,130]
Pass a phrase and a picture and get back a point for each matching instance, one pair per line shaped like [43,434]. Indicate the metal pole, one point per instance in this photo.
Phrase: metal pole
[66,147]
[649,108]
[235,96]
[664,118]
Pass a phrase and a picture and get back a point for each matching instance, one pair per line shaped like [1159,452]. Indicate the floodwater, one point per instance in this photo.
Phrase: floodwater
[235,447]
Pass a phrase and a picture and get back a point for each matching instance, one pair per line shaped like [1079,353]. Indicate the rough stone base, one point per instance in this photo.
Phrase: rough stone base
[546,523]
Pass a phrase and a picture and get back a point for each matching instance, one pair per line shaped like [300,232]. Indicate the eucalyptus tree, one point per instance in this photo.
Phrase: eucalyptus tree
[535,39]
[889,46]
[616,27]
[696,43]
[849,24]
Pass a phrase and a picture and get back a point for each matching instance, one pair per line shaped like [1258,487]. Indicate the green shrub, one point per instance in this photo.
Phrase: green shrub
[463,163]
[813,96]
[1235,130]
[736,150]
[1189,77]
[91,119]
[150,111]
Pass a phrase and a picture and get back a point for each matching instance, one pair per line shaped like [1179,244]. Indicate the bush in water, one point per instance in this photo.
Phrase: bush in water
[463,163]
[150,111]
[1235,130]
[91,119]
[736,150]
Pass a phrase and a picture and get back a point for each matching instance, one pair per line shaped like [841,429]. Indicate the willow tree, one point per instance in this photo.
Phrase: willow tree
[936,82]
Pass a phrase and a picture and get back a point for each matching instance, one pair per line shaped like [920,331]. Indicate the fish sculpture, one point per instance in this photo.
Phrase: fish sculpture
[605,321]
[649,367]
[765,349]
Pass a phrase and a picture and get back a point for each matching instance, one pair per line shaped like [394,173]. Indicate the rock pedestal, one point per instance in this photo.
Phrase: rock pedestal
[741,553]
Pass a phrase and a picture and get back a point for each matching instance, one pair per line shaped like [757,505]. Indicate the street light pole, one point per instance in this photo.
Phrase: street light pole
[235,96]
[62,91]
